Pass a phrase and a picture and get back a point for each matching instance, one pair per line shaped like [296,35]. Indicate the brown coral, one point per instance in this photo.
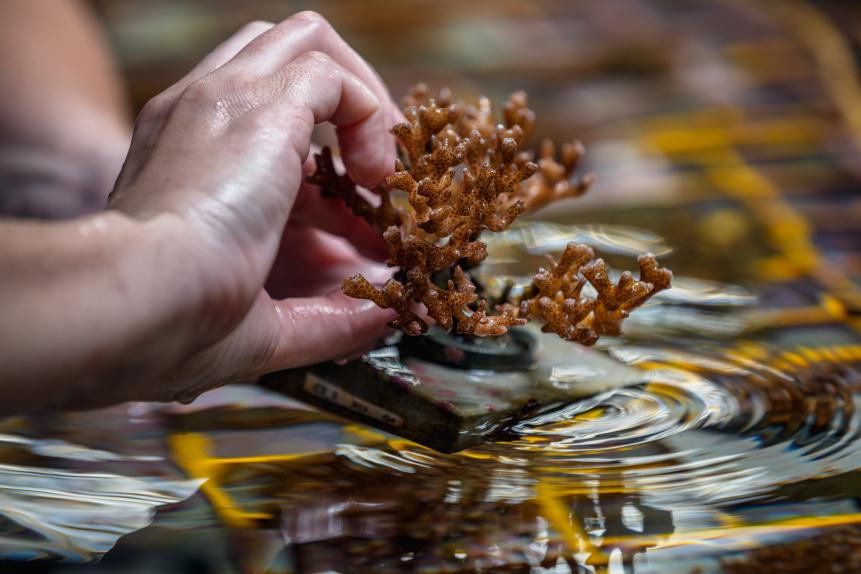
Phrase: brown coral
[463,174]
[559,302]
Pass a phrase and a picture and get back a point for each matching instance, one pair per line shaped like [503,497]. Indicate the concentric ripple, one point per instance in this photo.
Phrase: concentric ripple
[714,449]
[718,430]
[725,441]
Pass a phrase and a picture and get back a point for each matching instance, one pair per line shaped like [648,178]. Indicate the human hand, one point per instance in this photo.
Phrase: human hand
[216,170]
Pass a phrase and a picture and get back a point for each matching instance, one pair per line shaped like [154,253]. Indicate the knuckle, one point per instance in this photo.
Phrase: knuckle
[313,19]
[234,94]
[315,60]
[155,107]
[198,92]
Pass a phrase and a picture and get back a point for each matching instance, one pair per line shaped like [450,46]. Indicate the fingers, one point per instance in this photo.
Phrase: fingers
[323,328]
[313,83]
[305,248]
[243,143]
[277,335]
[333,216]
[163,104]
[311,262]
[222,54]
[304,330]
[368,149]
[226,84]
[151,120]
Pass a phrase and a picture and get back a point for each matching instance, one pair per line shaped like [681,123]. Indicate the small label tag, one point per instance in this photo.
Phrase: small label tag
[329,392]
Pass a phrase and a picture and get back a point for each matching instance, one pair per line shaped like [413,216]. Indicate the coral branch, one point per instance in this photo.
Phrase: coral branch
[557,298]
[332,184]
[464,174]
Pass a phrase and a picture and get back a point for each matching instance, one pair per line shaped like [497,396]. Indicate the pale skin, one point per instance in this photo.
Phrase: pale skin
[209,264]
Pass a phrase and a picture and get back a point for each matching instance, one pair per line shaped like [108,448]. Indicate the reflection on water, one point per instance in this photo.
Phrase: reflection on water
[717,453]
[684,460]
[729,444]
[68,501]
[723,441]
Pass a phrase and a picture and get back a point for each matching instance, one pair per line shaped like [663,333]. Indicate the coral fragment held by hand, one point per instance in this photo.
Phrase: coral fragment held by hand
[463,174]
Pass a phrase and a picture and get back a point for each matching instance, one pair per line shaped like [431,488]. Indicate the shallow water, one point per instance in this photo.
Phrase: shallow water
[737,441]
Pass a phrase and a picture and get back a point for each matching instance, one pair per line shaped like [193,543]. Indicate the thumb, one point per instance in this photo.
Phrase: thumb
[277,335]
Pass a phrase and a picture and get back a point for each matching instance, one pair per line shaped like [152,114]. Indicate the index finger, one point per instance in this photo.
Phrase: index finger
[368,149]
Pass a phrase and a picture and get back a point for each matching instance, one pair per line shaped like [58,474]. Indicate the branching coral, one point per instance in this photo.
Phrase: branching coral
[557,297]
[463,174]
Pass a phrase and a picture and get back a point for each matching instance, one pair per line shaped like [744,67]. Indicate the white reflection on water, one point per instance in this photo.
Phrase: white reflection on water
[48,511]
[538,238]
[67,450]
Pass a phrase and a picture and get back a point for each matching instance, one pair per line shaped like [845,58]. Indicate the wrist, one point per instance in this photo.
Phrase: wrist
[93,317]
[149,310]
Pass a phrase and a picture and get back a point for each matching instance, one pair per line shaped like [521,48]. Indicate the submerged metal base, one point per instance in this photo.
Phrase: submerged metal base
[510,352]
[448,392]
